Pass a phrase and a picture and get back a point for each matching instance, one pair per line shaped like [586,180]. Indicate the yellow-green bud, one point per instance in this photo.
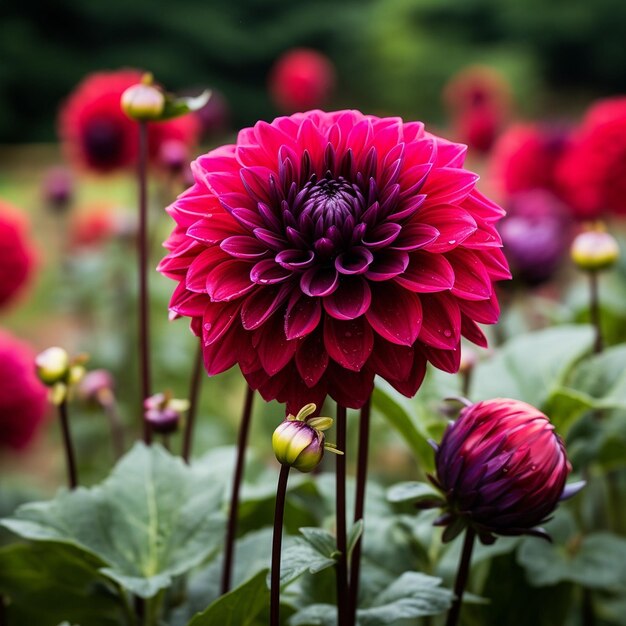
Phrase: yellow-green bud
[594,250]
[144,101]
[53,366]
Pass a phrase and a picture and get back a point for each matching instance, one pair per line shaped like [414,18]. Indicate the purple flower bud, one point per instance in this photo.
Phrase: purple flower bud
[97,386]
[58,188]
[502,469]
[174,155]
[164,413]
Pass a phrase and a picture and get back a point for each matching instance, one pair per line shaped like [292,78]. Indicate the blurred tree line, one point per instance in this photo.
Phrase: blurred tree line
[392,56]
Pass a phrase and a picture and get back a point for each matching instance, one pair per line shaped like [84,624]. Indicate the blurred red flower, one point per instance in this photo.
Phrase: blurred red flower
[301,79]
[94,225]
[23,398]
[16,251]
[98,136]
[325,248]
[592,173]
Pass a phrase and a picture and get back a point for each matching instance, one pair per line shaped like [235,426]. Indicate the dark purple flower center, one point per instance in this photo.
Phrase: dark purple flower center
[330,201]
[103,142]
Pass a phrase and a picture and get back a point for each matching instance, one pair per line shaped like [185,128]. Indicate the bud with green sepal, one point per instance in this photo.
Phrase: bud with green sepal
[595,249]
[56,370]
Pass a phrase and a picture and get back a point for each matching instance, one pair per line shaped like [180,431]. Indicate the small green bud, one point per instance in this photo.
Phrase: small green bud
[594,250]
[144,101]
[53,366]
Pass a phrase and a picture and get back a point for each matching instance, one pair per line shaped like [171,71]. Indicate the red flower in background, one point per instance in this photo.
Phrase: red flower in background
[97,135]
[93,226]
[325,248]
[592,173]
[16,252]
[525,157]
[502,469]
[23,398]
[301,79]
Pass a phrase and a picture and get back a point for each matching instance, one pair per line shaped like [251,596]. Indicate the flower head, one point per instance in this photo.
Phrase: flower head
[594,250]
[22,396]
[299,440]
[16,252]
[591,172]
[96,133]
[164,413]
[301,79]
[501,468]
[326,248]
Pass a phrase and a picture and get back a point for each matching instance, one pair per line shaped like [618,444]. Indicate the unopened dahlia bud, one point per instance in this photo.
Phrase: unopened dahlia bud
[174,155]
[299,440]
[97,386]
[502,470]
[164,413]
[144,101]
[53,366]
[594,250]
[58,188]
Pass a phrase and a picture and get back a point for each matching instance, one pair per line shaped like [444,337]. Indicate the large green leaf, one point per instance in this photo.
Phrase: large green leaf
[240,607]
[152,519]
[49,583]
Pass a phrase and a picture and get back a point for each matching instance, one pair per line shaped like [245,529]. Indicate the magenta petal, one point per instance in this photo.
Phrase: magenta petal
[268,272]
[448,184]
[483,311]
[470,330]
[349,342]
[454,224]
[395,314]
[387,264]
[312,359]
[259,305]
[472,281]
[217,318]
[222,355]
[197,275]
[185,302]
[441,327]
[274,241]
[408,386]
[256,181]
[244,247]
[213,228]
[427,273]
[295,259]
[350,389]
[318,282]
[390,360]
[273,348]
[229,280]
[303,316]
[351,299]
[382,236]
[354,262]
[415,236]
[446,360]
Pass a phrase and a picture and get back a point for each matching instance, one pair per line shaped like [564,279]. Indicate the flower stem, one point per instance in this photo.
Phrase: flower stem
[340,507]
[194,396]
[72,476]
[277,541]
[144,321]
[231,528]
[461,577]
[359,506]
[594,311]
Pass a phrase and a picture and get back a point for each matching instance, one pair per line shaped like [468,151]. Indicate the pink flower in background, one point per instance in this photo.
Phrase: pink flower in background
[94,225]
[23,398]
[98,136]
[301,79]
[502,468]
[16,253]
[525,157]
[592,173]
[326,248]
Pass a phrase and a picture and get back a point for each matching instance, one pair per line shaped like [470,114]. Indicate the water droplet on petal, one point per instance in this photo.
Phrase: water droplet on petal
[447,333]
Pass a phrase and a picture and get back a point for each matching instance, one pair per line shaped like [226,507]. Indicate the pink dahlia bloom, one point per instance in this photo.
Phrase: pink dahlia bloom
[98,136]
[325,248]
[23,398]
[502,469]
[591,172]
[301,79]
[525,157]
[16,251]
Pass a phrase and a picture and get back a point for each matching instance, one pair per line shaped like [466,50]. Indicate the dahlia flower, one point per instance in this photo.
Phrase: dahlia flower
[23,399]
[591,172]
[98,136]
[325,248]
[16,252]
[502,470]
[301,79]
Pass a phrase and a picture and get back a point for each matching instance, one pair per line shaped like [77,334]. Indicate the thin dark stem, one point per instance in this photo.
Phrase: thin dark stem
[194,396]
[594,311]
[72,475]
[588,616]
[277,541]
[144,319]
[3,616]
[359,506]
[461,577]
[140,610]
[340,506]
[231,529]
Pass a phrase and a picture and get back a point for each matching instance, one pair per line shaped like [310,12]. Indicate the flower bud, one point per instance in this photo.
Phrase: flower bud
[164,413]
[97,386]
[174,155]
[299,441]
[53,366]
[144,101]
[502,470]
[594,250]
[58,188]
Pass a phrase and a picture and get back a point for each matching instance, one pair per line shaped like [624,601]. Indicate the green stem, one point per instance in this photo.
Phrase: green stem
[277,540]
[461,577]
[70,458]
[594,311]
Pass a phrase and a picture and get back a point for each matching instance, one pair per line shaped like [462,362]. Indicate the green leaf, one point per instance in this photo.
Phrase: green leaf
[314,552]
[412,491]
[531,367]
[176,106]
[240,607]
[152,519]
[49,583]
[355,533]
